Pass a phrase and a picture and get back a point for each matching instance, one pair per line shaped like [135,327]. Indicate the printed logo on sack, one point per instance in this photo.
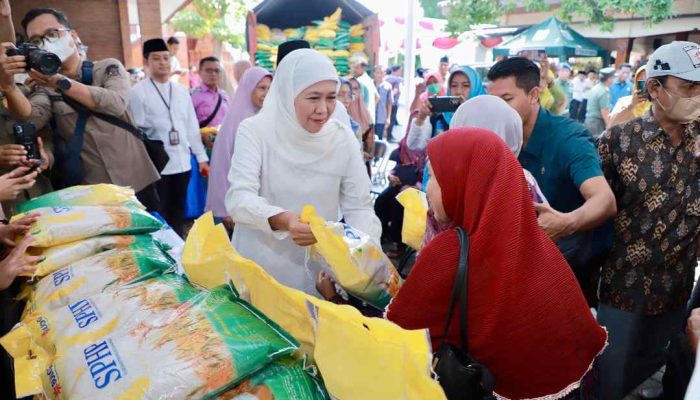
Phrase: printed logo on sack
[53,379]
[84,312]
[351,233]
[103,363]
[62,276]
[44,325]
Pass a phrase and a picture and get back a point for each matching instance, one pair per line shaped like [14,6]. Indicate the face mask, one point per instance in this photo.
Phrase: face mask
[434,88]
[684,111]
[62,47]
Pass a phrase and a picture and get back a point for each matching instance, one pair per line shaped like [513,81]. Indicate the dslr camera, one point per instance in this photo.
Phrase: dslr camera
[37,59]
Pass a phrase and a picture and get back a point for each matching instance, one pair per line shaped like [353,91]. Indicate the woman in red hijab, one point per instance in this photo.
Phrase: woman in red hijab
[528,320]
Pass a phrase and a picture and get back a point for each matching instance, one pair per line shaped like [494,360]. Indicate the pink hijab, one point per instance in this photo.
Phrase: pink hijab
[438,77]
[241,108]
[357,109]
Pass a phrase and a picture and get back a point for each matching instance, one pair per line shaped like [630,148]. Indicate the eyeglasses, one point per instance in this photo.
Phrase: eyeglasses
[212,70]
[51,36]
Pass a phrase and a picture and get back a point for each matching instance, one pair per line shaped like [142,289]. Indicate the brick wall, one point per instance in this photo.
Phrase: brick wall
[95,21]
[99,24]
[149,19]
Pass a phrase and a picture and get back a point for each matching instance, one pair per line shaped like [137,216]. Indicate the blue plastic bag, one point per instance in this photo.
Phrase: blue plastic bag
[196,192]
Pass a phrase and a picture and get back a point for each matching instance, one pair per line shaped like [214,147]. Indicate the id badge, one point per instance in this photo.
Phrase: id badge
[174,138]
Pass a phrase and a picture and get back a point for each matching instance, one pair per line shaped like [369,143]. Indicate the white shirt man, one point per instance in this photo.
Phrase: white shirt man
[164,110]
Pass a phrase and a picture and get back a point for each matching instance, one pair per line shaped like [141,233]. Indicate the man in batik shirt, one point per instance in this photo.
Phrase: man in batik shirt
[651,164]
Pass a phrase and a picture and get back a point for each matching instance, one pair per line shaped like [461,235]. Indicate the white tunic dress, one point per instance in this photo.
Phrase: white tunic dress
[266,181]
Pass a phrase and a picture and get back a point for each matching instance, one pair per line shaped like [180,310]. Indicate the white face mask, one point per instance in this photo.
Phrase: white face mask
[63,47]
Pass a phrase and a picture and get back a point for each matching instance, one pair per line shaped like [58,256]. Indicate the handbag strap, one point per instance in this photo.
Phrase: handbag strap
[210,118]
[459,290]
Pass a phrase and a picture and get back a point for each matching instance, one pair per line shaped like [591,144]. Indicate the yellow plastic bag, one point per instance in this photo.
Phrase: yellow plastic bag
[206,252]
[355,351]
[371,358]
[285,306]
[415,215]
[356,262]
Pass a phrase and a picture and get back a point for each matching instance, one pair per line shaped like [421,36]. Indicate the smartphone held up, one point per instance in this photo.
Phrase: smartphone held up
[25,135]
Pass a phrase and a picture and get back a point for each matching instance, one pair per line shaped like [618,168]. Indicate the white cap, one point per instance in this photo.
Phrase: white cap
[679,59]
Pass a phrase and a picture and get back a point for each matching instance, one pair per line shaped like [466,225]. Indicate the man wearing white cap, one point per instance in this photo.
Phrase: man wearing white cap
[651,164]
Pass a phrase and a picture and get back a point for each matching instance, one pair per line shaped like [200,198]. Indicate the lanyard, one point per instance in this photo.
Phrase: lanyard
[168,103]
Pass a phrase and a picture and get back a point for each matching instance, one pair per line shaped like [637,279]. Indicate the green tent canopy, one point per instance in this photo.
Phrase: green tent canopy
[556,38]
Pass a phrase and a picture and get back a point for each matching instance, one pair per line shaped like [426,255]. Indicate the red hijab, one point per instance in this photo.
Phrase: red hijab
[528,320]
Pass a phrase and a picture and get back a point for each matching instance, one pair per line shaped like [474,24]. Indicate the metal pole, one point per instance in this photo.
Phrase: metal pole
[409,70]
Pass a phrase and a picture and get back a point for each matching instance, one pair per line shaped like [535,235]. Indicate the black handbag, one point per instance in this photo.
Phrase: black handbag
[461,377]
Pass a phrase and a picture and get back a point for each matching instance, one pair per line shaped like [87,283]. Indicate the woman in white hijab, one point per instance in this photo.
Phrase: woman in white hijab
[492,113]
[289,155]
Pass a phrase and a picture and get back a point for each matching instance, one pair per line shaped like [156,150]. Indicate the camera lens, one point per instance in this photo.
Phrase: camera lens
[47,63]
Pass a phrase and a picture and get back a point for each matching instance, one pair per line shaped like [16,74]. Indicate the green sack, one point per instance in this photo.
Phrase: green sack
[283,379]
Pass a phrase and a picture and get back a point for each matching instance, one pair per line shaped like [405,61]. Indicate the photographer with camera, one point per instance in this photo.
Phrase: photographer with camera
[85,102]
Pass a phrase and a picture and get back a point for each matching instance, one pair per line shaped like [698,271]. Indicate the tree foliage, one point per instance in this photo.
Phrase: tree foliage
[431,8]
[464,14]
[209,16]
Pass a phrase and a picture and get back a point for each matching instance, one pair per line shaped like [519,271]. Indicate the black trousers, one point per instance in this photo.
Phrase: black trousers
[172,191]
[577,110]
[390,213]
[148,196]
[393,121]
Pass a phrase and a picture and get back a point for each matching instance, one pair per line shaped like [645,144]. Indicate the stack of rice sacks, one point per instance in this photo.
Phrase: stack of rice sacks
[331,36]
[108,317]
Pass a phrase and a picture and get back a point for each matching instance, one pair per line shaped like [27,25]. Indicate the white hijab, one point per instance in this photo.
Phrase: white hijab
[297,71]
[492,113]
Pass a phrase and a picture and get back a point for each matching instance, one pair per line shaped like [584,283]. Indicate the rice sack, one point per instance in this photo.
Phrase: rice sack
[58,257]
[354,260]
[102,194]
[157,339]
[140,261]
[60,225]
[283,379]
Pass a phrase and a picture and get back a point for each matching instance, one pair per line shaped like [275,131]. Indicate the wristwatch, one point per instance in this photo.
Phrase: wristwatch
[63,85]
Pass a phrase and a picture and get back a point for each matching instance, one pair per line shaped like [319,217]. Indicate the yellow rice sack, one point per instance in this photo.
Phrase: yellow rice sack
[152,340]
[100,272]
[415,216]
[86,195]
[61,225]
[58,257]
[355,261]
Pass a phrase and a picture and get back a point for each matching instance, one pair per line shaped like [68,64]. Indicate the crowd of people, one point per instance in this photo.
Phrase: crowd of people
[579,192]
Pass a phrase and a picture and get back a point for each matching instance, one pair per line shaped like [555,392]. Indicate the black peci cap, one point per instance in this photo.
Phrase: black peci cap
[289,46]
[153,45]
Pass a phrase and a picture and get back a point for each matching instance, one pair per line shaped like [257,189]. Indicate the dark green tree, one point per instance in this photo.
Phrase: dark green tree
[431,8]
[209,17]
[464,14]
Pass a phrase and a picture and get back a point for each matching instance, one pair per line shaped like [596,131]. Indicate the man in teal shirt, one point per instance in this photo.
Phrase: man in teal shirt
[561,155]
[598,108]
[622,86]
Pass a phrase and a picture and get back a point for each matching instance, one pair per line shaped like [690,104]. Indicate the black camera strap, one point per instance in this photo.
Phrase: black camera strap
[69,167]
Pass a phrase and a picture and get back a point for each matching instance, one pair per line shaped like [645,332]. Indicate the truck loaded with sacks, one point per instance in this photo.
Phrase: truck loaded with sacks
[342,29]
